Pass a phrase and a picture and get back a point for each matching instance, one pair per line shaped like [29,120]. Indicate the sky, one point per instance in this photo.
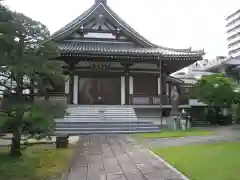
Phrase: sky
[199,24]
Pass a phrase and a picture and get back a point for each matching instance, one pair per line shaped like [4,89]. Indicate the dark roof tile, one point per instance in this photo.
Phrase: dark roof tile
[117,48]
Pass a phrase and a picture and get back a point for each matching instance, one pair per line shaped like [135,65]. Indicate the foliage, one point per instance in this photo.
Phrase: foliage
[37,121]
[37,162]
[25,65]
[215,90]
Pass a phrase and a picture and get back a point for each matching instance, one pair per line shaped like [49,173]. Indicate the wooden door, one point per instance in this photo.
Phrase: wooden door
[100,91]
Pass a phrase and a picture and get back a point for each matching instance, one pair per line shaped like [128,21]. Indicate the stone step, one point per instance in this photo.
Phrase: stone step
[126,128]
[103,125]
[106,114]
[86,120]
[107,109]
[64,121]
[96,114]
[75,133]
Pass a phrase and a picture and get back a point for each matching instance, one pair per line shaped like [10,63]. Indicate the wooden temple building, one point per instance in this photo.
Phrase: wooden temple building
[107,62]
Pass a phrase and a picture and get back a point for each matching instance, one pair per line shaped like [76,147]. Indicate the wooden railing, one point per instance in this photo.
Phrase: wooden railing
[142,99]
[61,97]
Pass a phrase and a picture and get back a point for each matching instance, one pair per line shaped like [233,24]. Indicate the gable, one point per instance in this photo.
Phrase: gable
[100,28]
[99,24]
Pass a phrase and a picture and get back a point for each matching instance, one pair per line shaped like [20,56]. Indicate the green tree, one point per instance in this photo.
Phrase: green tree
[215,90]
[6,30]
[25,65]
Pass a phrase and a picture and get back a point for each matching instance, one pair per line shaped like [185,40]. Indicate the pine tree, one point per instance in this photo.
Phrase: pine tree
[26,63]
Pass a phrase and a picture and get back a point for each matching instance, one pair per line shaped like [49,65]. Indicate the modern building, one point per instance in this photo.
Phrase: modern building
[233,34]
[205,66]
[107,62]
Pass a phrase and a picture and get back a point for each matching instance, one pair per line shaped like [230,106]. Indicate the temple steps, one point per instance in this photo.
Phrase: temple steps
[75,133]
[113,120]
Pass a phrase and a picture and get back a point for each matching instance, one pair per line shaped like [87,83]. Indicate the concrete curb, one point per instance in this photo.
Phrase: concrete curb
[169,166]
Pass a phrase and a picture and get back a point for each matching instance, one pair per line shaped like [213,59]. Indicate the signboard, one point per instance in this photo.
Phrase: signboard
[100,66]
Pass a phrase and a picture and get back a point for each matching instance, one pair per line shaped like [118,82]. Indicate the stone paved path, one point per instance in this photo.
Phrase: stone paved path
[228,133]
[167,142]
[115,157]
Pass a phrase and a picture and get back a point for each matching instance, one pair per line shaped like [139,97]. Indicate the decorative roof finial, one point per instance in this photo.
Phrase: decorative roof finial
[100,1]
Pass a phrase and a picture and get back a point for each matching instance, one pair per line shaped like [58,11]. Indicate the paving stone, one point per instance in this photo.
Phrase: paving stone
[116,177]
[145,168]
[134,176]
[113,170]
[96,176]
[78,173]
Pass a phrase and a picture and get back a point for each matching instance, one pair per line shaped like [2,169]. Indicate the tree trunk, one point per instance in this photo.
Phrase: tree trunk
[18,110]
[16,139]
[16,143]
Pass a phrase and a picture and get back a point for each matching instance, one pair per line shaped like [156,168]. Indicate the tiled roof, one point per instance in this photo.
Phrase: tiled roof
[118,48]
[76,23]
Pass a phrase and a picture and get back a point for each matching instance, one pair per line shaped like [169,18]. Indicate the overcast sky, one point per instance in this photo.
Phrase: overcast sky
[171,23]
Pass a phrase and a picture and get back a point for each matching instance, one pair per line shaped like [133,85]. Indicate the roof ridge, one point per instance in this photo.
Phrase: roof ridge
[181,50]
[124,24]
[74,22]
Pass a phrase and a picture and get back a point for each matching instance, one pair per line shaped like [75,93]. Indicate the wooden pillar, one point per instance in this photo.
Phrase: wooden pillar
[122,90]
[126,75]
[167,89]
[71,87]
[131,86]
[75,90]
[163,87]
[159,86]
[71,82]
[162,82]
[66,84]
[170,90]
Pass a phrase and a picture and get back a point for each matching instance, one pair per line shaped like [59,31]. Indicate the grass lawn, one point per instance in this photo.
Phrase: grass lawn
[172,134]
[220,161]
[39,162]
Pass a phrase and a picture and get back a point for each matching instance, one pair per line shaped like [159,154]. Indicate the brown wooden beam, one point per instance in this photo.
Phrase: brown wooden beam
[172,64]
[71,87]
[71,81]
[126,75]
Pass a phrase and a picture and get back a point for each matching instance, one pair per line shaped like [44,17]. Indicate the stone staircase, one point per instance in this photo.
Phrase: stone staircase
[102,120]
